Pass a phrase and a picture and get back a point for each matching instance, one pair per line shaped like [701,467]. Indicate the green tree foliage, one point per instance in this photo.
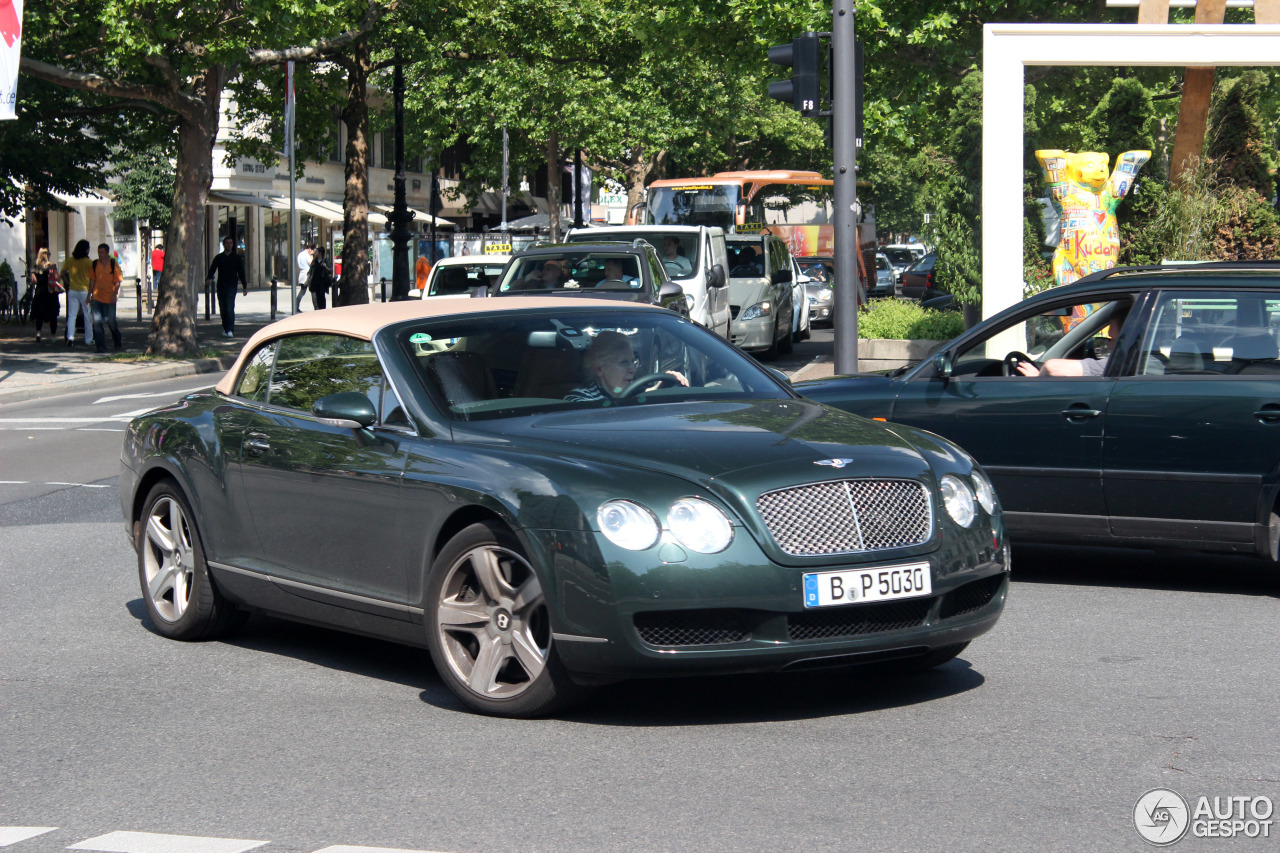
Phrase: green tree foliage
[145,188]
[1236,143]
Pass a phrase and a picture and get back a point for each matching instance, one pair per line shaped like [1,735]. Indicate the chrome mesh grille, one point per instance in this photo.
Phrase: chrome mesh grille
[844,516]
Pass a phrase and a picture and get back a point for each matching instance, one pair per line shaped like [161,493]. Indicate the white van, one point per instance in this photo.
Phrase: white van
[695,258]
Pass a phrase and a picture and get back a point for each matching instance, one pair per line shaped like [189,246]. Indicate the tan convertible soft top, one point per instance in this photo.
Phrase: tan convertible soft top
[362,321]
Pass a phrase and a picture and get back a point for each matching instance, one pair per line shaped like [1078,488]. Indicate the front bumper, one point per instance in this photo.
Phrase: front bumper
[740,612]
[819,311]
[754,334]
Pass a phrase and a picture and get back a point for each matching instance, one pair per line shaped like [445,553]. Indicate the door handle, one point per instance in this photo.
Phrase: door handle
[1268,414]
[1079,412]
[256,445]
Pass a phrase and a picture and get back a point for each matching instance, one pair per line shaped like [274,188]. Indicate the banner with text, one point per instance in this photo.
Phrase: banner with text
[10,54]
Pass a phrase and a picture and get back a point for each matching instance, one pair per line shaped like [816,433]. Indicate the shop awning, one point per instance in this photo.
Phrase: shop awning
[237,199]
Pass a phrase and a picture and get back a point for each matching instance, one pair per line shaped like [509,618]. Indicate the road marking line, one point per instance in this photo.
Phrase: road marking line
[14,834]
[174,394]
[100,429]
[14,482]
[96,420]
[150,842]
[81,485]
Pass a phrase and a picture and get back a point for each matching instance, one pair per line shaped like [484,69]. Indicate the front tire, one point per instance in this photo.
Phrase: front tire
[181,599]
[489,627]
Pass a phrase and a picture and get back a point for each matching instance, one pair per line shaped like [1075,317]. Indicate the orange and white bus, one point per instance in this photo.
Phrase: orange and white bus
[794,205]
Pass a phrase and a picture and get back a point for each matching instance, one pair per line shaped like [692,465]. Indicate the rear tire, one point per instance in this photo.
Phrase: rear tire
[181,598]
[489,627]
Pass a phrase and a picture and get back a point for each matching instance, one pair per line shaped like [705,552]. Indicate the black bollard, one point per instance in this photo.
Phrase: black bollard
[274,283]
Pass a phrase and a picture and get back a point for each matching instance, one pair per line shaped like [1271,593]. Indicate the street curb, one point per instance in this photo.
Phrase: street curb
[120,379]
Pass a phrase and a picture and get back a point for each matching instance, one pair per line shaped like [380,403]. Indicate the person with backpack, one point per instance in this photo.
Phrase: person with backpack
[321,279]
[105,278]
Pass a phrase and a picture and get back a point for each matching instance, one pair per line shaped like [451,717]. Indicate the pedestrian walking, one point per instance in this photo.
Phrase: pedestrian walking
[106,277]
[157,265]
[79,275]
[305,256]
[227,270]
[421,272]
[320,280]
[45,305]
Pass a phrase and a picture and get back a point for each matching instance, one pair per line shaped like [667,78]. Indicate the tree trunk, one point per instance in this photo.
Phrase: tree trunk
[639,169]
[553,184]
[173,325]
[353,286]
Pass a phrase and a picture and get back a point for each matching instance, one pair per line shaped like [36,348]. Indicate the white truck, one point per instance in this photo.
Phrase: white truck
[695,258]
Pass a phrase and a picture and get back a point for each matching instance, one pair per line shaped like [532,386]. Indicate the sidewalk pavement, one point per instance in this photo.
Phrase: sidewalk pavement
[30,370]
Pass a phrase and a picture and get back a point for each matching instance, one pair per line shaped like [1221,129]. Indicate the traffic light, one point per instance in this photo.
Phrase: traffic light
[804,90]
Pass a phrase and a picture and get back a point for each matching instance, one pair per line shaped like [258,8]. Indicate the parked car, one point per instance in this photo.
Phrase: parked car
[903,256]
[537,544]
[460,276]
[699,266]
[604,270]
[801,316]
[760,294]
[1166,436]
[917,282]
[884,276]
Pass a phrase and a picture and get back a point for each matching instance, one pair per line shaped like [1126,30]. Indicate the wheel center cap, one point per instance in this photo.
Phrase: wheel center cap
[502,619]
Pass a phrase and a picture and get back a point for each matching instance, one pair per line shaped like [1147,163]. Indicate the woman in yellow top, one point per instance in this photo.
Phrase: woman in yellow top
[78,271]
[102,300]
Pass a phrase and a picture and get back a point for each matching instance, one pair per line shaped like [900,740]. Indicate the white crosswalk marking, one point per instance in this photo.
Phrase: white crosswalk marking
[174,394]
[14,834]
[150,842]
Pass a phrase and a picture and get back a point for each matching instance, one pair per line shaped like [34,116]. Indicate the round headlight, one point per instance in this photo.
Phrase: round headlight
[628,525]
[983,489]
[699,526]
[957,497]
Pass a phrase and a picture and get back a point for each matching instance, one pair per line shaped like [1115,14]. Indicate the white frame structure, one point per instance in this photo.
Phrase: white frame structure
[1008,48]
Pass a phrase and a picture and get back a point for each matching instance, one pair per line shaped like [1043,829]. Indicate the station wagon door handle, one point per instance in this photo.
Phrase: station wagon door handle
[256,445]
[1268,414]
[1079,412]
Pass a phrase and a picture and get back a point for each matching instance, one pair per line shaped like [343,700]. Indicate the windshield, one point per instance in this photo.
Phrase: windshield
[678,252]
[789,204]
[459,279]
[618,273]
[901,257]
[700,204]
[514,365]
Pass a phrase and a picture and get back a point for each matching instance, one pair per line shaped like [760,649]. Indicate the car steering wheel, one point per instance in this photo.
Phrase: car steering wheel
[642,382]
[1010,363]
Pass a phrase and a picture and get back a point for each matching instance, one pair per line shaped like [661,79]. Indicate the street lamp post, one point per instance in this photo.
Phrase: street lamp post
[401,215]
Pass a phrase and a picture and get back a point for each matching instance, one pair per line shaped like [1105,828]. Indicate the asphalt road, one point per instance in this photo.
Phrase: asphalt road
[1110,674]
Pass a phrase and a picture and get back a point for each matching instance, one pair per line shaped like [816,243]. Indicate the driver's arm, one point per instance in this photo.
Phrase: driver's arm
[1053,367]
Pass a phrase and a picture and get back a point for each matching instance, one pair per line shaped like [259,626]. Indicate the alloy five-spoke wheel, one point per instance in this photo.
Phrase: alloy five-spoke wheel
[492,619]
[168,562]
[490,627]
[181,598]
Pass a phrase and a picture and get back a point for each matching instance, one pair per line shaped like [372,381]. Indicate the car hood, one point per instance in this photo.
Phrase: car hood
[749,446]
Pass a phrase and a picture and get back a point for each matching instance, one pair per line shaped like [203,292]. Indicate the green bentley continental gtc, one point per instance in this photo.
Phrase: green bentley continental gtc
[550,495]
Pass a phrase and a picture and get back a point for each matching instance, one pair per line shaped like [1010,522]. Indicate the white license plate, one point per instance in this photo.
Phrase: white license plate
[856,586]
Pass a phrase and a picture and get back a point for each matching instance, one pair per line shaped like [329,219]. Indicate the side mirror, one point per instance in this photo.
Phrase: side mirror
[346,409]
[942,364]
[781,277]
[779,375]
[718,278]
[480,292]
[671,295]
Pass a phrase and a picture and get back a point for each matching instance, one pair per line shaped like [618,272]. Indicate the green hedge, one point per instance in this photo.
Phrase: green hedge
[900,319]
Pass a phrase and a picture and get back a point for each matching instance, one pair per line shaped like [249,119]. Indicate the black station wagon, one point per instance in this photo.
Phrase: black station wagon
[548,494]
[1138,406]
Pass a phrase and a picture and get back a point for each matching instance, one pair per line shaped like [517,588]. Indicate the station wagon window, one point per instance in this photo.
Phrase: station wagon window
[1078,331]
[1212,334]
